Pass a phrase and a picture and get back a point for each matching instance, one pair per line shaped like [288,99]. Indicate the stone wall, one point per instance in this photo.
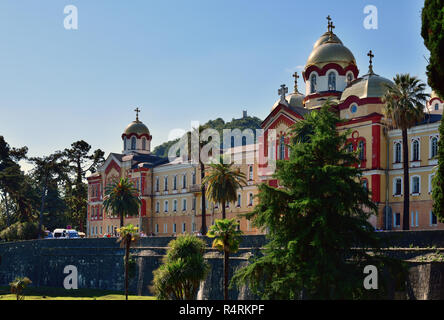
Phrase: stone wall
[100,263]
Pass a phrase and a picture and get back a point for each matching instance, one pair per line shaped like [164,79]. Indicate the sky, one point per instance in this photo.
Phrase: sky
[178,61]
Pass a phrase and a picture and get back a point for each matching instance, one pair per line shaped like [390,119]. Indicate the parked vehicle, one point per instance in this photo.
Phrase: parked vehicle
[65,234]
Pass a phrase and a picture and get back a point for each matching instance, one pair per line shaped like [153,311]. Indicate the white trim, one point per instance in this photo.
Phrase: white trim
[394,187]
[411,185]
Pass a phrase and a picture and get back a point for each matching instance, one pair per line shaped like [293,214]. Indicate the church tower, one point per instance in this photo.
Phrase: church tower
[330,67]
[136,137]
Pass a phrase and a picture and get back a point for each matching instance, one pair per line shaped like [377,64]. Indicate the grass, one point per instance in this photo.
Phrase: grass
[46,293]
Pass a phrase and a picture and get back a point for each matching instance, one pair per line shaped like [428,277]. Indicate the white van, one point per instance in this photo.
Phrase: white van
[65,234]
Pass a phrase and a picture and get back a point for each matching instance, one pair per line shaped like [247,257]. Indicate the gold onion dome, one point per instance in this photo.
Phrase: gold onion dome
[136,127]
[325,37]
[331,51]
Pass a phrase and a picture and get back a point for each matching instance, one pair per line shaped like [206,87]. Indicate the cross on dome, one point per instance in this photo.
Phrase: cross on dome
[137,110]
[283,91]
[296,77]
[370,68]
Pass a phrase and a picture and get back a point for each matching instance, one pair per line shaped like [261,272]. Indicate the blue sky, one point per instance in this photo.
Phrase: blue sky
[179,61]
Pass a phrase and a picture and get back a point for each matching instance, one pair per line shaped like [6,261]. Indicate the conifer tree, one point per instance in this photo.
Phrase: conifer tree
[317,220]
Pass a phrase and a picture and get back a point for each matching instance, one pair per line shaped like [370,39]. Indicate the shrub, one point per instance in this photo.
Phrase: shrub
[18,285]
[21,231]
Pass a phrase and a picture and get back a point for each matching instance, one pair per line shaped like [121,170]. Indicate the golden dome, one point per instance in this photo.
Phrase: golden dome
[369,86]
[324,38]
[136,127]
[330,51]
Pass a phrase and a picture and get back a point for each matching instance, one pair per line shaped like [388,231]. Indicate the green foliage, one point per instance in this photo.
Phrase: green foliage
[317,220]
[21,231]
[222,183]
[218,124]
[183,268]
[18,286]
[226,235]
[438,179]
[121,199]
[432,32]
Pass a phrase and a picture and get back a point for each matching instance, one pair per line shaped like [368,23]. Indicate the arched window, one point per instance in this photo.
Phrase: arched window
[175,183]
[349,78]
[361,149]
[332,81]
[250,203]
[250,172]
[313,83]
[244,141]
[133,143]
[415,150]
[434,143]
[398,152]
[184,181]
[282,148]
[232,142]
[436,106]
[143,144]
[239,200]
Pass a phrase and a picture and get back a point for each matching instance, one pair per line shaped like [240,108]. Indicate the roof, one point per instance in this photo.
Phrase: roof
[430,118]
[368,86]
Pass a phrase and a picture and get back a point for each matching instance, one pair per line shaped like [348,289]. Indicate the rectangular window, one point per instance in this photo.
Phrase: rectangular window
[184,227]
[398,186]
[397,221]
[157,184]
[165,228]
[417,219]
[194,204]
[413,219]
[433,219]
[184,181]
[165,206]
[165,184]
[184,205]
[194,227]
[157,228]
[174,228]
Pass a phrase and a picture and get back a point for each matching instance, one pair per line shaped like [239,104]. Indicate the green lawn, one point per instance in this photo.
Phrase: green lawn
[45,293]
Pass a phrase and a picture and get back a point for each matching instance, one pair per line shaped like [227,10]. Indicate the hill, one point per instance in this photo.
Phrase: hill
[218,124]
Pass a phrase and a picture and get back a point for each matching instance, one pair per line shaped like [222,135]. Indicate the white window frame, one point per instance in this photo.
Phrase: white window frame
[394,187]
[184,204]
[431,145]
[419,185]
[165,206]
[412,151]
[394,151]
[175,205]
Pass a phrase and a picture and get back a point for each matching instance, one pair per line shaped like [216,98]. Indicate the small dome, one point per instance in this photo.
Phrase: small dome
[369,86]
[136,127]
[330,51]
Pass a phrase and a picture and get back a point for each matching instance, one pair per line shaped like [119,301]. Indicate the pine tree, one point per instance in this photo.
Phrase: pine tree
[316,220]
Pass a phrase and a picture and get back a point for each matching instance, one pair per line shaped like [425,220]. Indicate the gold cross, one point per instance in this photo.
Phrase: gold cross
[370,68]
[296,77]
[137,113]
[371,55]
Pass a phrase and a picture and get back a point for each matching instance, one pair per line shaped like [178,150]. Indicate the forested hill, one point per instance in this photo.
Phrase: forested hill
[218,124]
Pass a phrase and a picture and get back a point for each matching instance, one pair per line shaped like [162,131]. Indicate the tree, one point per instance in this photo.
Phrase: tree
[404,107]
[127,235]
[49,171]
[80,161]
[317,220]
[11,176]
[226,233]
[183,268]
[432,32]
[438,179]
[121,199]
[222,183]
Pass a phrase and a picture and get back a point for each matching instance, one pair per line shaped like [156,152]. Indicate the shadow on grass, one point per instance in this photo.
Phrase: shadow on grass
[49,292]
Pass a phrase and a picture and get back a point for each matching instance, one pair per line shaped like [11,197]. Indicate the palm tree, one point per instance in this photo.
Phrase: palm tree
[404,107]
[226,233]
[121,198]
[222,182]
[183,268]
[127,235]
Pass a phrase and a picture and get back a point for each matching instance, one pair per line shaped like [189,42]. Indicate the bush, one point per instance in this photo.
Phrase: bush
[21,231]
[18,285]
